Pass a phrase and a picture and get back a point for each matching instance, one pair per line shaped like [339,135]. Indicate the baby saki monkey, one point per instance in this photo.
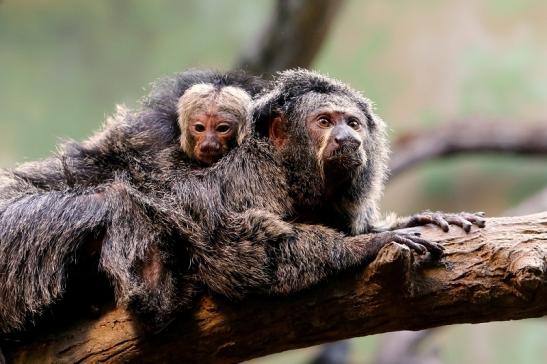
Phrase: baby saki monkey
[212,121]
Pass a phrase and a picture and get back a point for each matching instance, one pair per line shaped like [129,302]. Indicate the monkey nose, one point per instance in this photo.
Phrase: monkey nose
[210,148]
[346,141]
[210,142]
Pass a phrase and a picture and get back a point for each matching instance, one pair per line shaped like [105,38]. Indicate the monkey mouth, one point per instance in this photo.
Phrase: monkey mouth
[341,167]
[343,157]
[209,157]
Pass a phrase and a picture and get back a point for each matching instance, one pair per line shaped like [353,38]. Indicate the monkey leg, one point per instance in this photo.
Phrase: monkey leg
[145,258]
[41,236]
[465,220]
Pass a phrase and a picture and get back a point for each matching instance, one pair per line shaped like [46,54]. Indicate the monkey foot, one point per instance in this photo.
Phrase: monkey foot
[465,220]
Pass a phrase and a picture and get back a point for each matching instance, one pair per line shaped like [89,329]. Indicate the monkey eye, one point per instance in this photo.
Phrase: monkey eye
[354,124]
[223,128]
[324,122]
[200,128]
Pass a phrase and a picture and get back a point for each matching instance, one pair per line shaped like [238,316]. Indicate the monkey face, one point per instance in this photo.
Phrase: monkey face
[214,133]
[329,139]
[337,130]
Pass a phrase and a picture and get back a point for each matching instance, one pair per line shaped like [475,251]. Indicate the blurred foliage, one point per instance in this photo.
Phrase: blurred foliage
[65,64]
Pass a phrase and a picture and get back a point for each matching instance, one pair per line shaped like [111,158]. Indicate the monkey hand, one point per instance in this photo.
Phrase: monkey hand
[465,220]
[412,240]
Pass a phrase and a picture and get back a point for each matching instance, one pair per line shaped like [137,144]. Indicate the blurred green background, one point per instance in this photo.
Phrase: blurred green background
[65,64]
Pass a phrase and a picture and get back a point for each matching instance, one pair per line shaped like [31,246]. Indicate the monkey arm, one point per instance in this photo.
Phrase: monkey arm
[280,257]
[319,252]
[144,257]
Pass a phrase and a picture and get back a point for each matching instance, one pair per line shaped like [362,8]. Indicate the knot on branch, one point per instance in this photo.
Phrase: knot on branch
[529,270]
[393,267]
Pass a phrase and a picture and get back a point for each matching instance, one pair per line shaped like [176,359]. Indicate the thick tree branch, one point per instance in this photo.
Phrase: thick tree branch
[292,37]
[468,136]
[495,273]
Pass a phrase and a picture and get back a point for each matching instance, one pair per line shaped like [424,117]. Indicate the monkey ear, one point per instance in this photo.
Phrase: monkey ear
[277,130]
[264,108]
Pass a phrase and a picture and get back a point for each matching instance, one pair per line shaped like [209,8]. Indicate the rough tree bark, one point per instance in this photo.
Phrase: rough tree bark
[291,38]
[490,274]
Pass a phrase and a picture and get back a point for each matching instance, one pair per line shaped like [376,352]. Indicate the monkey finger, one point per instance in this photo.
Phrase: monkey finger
[460,221]
[420,219]
[474,219]
[441,221]
[433,247]
[400,239]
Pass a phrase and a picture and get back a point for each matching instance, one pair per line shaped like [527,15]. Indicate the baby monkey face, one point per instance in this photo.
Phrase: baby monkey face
[212,121]
[214,134]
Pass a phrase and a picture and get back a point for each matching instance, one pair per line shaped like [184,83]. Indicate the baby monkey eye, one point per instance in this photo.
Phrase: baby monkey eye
[199,128]
[323,122]
[223,128]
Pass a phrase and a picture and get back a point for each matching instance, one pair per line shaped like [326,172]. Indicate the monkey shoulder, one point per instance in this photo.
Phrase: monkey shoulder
[252,177]
[253,158]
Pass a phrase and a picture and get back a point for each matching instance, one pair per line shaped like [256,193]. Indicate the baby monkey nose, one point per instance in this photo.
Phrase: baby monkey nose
[210,146]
